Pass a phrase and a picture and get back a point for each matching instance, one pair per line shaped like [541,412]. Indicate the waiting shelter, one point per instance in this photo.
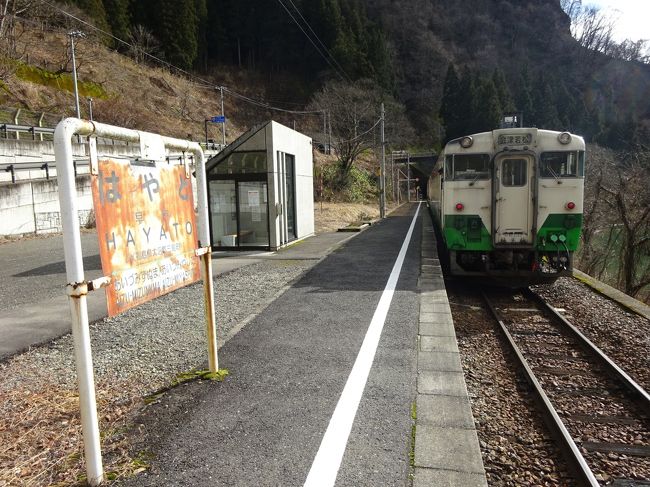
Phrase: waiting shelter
[260,190]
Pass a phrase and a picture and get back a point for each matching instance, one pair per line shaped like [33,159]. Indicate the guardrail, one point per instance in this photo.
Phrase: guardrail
[7,130]
[47,166]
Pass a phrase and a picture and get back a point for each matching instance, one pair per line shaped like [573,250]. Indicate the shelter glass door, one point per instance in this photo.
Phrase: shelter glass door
[253,214]
[223,208]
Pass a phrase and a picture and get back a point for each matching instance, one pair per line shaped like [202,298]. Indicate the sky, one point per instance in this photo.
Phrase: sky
[632,17]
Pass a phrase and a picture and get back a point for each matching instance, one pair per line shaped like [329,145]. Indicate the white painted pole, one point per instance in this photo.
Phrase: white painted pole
[77,292]
[77,288]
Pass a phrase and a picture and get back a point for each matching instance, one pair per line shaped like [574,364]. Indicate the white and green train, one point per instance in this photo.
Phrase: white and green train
[508,204]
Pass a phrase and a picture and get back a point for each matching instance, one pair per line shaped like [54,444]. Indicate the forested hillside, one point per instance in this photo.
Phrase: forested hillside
[496,55]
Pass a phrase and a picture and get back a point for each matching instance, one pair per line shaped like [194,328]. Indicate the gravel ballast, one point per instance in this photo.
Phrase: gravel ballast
[134,355]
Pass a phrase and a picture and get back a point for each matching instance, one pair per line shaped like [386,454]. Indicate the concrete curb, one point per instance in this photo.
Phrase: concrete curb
[620,297]
[447,451]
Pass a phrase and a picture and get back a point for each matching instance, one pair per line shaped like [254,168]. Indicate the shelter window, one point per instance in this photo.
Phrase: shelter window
[467,167]
[242,163]
[564,164]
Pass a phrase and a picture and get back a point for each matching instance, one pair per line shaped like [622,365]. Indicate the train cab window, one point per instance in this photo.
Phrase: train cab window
[565,164]
[514,172]
[467,167]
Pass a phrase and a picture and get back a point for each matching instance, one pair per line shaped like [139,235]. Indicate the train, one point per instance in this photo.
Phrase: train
[508,204]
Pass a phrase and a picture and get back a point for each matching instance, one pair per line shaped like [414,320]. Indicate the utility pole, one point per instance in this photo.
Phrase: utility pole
[223,125]
[329,140]
[324,131]
[408,176]
[382,170]
[73,34]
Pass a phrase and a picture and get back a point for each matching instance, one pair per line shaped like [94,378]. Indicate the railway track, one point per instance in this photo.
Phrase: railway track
[597,413]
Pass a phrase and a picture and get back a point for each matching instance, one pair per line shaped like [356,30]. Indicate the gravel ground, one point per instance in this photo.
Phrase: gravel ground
[513,440]
[516,448]
[134,354]
[622,335]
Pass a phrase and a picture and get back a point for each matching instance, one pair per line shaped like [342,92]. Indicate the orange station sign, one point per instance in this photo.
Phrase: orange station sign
[146,229]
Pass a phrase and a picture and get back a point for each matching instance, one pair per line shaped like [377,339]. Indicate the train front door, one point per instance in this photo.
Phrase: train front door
[513,208]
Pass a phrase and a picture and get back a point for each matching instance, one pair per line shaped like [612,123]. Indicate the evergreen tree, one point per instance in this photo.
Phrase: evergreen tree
[450,105]
[118,17]
[174,23]
[525,99]
[95,9]
[545,112]
[487,114]
[201,12]
[503,91]
[467,104]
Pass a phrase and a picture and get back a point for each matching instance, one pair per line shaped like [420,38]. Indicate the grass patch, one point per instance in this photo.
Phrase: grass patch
[184,377]
[60,81]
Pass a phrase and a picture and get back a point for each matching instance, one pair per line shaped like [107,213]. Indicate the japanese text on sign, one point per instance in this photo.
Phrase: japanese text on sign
[146,230]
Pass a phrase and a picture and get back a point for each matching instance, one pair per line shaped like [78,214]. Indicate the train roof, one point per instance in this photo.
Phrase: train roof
[526,138]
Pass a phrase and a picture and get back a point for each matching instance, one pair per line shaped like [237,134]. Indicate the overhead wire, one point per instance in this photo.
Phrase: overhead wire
[203,83]
[319,41]
[341,75]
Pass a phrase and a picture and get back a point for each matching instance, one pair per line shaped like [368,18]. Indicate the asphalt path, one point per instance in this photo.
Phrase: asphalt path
[264,424]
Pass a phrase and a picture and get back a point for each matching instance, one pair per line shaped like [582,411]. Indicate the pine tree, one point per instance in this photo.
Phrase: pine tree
[488,111]
[174,23]
[449,106]
[524,98]
[505,96]
[467,104]
[118,17]
[94,8]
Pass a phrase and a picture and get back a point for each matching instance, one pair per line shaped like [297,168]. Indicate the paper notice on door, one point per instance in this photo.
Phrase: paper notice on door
[253,198]
[256,215]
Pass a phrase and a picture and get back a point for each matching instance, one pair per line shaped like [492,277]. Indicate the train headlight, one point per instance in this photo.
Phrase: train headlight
[466,142]
[459,206]
[564,138]
[570,205]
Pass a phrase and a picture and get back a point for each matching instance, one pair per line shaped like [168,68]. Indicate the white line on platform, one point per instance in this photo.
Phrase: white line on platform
[326,465]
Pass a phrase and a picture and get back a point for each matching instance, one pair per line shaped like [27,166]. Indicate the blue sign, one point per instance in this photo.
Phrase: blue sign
[219,119]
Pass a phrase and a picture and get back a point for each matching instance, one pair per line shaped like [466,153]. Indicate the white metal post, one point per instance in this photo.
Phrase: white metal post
[77,291]
[72,35]
[77,287]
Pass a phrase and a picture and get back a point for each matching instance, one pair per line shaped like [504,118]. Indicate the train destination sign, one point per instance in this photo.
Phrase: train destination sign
[146,229]
[515,139]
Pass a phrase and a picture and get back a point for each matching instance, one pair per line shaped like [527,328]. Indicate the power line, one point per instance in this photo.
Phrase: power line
[203,83]
[343,76]
[207,84]
[269,107]
[319,41]
[361,134]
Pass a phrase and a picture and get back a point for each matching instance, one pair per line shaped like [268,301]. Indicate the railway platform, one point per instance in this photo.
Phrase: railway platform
[350,377]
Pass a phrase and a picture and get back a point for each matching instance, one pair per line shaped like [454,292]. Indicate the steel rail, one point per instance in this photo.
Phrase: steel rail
[614,370]
[552,419]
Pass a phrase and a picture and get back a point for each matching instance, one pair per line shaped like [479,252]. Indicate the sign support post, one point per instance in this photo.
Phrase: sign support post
[78,287]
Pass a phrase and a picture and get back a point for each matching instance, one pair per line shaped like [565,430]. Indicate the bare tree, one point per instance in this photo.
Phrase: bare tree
[354,112]
[594,30]
[143,43]
[626,194]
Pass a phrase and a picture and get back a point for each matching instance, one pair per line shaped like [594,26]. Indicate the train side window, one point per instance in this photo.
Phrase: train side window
[566,164]
[514,172]
[467,167]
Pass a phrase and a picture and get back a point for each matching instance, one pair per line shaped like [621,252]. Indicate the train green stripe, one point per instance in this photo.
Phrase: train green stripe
[467,232]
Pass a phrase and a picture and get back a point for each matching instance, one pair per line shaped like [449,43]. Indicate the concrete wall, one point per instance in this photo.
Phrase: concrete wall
[33,206]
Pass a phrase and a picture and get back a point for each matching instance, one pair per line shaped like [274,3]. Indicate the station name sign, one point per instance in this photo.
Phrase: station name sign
[146,229]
